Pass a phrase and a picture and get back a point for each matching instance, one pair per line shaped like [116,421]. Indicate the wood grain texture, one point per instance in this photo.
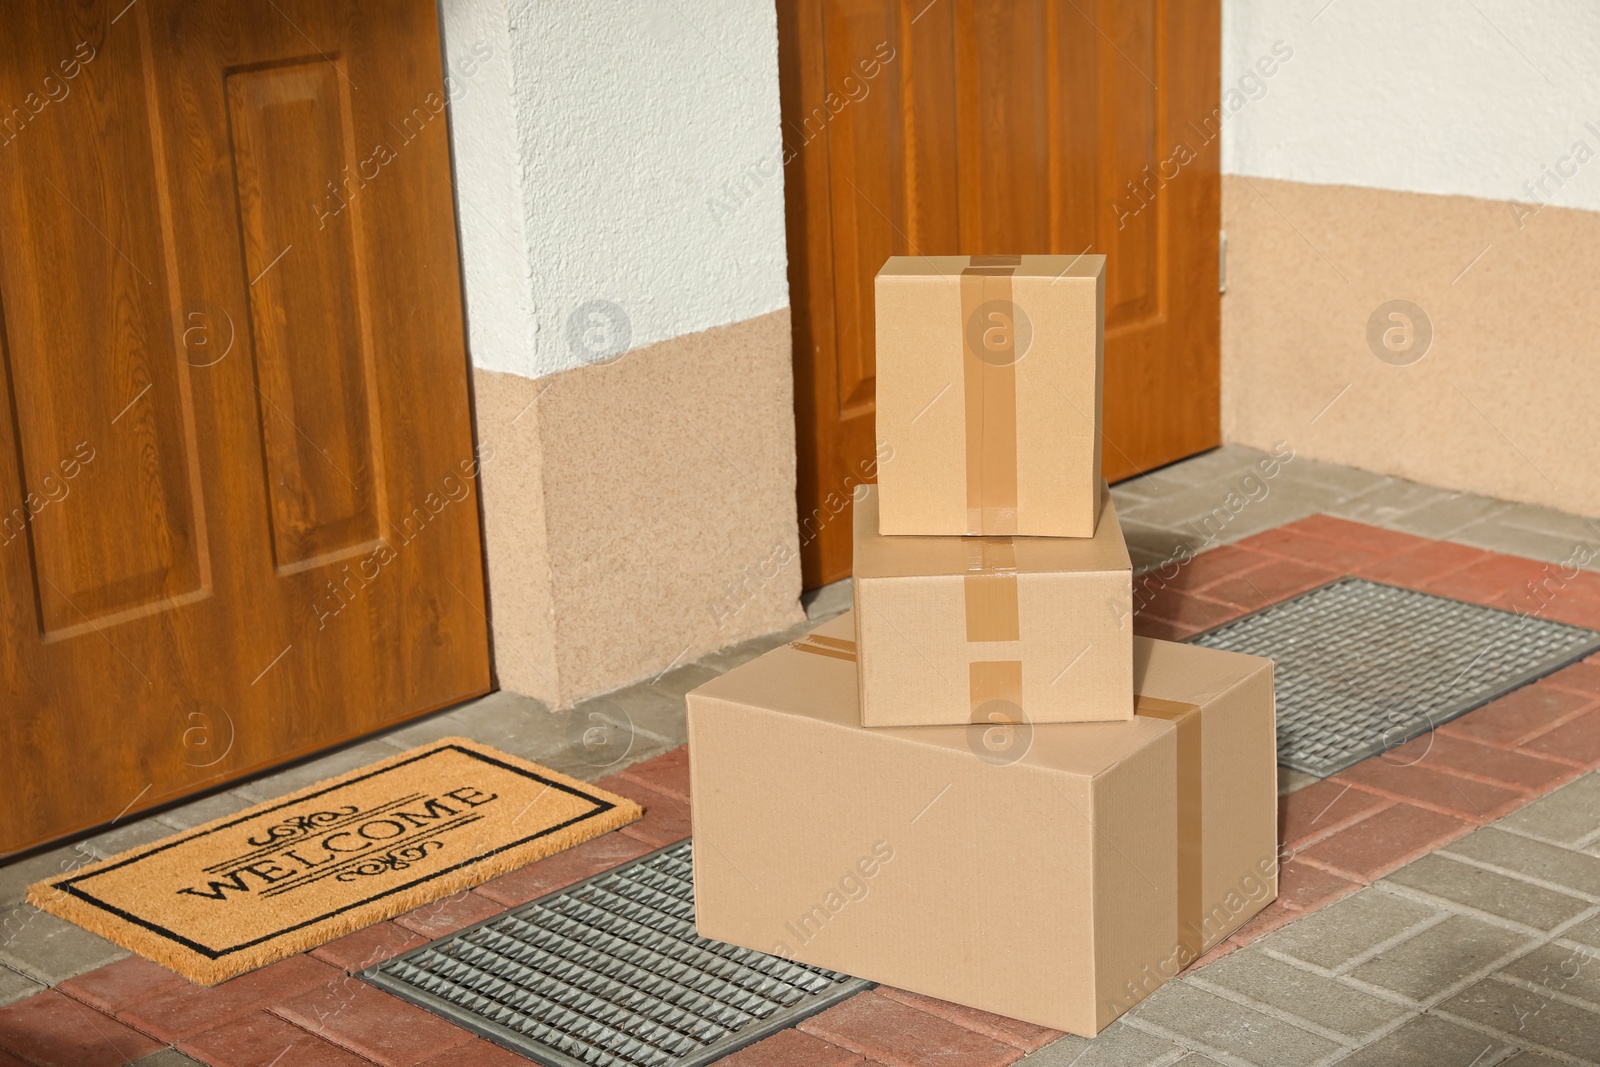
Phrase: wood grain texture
[972,127]
[237,521]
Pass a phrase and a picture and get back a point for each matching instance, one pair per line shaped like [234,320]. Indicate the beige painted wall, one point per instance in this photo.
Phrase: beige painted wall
[1504,400]
[640,514]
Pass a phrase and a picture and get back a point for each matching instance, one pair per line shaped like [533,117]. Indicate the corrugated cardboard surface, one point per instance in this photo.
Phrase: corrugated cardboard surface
[1038,879]
[923,407]
[922,642]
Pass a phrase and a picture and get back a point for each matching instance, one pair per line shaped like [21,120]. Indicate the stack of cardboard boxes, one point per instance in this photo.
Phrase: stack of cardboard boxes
[979,785]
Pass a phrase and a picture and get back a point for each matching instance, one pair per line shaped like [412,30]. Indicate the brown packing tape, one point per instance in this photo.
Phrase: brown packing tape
[989,589]
[990,380]
[820,645]
[1191,854]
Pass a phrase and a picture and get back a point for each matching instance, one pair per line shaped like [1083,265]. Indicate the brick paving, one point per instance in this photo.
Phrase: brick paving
[1439,904]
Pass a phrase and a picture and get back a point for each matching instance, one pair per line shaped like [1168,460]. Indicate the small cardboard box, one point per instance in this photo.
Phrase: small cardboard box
[1056,874]
[989,394]
[956,630]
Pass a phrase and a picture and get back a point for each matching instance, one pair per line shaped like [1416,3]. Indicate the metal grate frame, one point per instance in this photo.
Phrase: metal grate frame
[1362,667]
[609,972]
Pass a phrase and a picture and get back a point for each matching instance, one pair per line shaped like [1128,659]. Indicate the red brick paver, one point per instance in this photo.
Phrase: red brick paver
[1026,1036]
[449,914]
[1426,787]
[50,1029]
[368,947]
[371,1023]
[188,1009]
[902,1036]
[261,1038]
[666,818]
[1519,716]
[564,868]
[668,773]
[792,1048]
[1318,810]
[476,1053]
[1373,847]
[117,985]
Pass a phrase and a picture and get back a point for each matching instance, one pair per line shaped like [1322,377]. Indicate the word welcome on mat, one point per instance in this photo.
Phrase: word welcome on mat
[292,873]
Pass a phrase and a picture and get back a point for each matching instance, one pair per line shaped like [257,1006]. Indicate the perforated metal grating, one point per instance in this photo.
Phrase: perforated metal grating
[610,972]
[1362,667]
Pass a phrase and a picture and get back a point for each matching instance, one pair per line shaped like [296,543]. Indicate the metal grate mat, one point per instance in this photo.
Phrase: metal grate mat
[609,972]
[1362,667]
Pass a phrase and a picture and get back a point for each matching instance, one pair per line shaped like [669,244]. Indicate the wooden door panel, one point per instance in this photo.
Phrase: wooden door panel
[290,132]
[137,549]
[1000,126]
[253,325]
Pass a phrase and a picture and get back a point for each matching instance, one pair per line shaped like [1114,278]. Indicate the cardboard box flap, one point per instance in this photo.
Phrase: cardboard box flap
[815,678]
[909,556]
[1190,674]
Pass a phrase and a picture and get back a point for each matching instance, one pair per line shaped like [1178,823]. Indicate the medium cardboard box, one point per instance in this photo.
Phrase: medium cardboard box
[1056,874]
[989,394]
[955,630]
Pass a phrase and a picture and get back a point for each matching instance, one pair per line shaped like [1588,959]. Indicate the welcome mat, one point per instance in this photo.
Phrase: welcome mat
[295,872]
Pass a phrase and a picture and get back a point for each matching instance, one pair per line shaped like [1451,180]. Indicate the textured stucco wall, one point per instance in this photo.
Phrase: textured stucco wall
[1411,203]
[618,151]
[1427,96]
[618,170]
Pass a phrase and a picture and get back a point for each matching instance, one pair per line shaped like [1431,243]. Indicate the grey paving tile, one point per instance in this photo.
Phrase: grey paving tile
[1215,513]
[1324,1001]
[647,709]
[1530,1059]
[1443,517]
[17,876]
[1526,1018]
[1159,540]
[1340,482]
[314,771]
[1497,535]
[1575,528]
[51,950]
[1291,780]
[1585,933]
[1118,1045]
[15,985]
[1218,465]
[524,727]
[1564,817]
[167,1057]
[1424,966]
[1488,891]
[1559,866]
[1386,502]
[197,812]
[1344,930]
[1428,1041]
[1573,972]
[823,604]
[1198,1059]
[676,683]
[1207,1019]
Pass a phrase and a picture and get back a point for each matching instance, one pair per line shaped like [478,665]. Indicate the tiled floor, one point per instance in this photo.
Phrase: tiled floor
[1440,904]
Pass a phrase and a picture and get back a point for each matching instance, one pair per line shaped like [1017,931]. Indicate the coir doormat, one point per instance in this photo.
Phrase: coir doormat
[293,873]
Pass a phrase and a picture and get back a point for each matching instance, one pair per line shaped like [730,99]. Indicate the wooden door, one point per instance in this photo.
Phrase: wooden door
[946,127]
[236,454]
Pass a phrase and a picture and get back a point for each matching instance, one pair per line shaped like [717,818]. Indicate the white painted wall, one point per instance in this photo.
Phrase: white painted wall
[1478,98]
[614,150]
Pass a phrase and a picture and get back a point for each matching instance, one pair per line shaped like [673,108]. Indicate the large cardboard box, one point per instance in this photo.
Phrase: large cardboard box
[988,394]
[956,630]
[1057,874]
